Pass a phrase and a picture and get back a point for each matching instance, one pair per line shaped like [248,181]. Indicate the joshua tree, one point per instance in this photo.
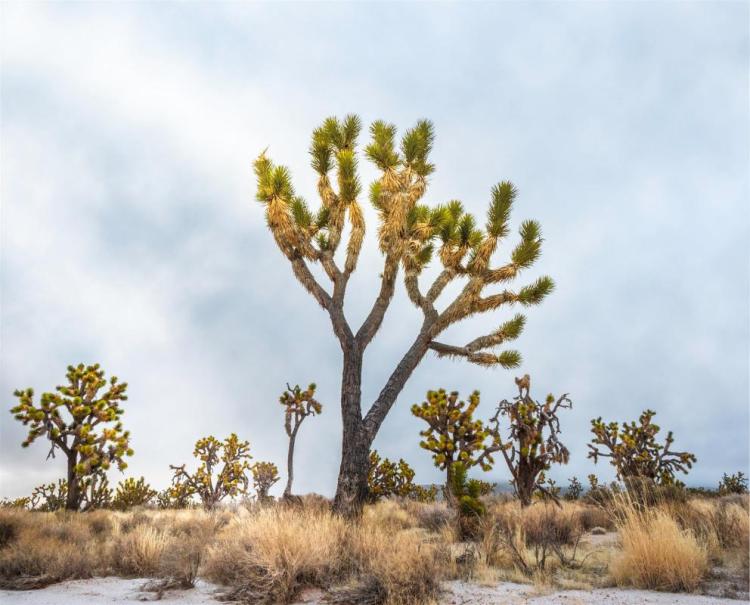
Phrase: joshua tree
[575,489]
[210,486]
[634,452]
[175,496]
[299,405]
[82,419]
[453,435]
[733,484]
[265,474]
[533,444]
[95,492]
[132,493]
[409,234]
[386,478]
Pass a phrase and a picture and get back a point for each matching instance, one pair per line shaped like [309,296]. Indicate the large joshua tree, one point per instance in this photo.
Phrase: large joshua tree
[409,234]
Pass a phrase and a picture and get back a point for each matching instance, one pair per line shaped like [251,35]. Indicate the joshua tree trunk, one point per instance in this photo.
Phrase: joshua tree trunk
[359,432]
[290,463]
[525,483]
[73,498]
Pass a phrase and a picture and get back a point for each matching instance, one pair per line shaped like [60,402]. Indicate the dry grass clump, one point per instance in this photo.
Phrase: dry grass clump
[138,552]
[185,549]
[657,553]
[432,516]
[270,555]
[44,549]
[390,514]
[392,568]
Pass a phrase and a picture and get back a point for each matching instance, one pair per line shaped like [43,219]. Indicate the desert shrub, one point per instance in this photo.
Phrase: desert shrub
[657,553]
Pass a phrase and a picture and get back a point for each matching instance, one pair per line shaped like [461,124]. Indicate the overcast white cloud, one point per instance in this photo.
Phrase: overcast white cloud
[130,235]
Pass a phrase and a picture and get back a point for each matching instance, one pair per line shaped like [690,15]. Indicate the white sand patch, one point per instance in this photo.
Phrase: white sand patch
[461,593]
[106,590]
[98,591]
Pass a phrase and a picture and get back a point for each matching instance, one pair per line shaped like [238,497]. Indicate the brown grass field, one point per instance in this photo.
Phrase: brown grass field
[399,553]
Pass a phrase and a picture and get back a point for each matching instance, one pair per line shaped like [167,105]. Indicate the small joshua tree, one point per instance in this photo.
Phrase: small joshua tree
[733,484]
[210,483]
[387,479]
[95,492]
[50,497]
[298,405]
[634,452]
[533,445]
[132,493]
[410,235]
[81,419]
[575,489]
[265,474]
[454,435]
[175,496]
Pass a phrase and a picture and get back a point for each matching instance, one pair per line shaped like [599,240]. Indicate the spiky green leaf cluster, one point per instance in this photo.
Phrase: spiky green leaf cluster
[452,433]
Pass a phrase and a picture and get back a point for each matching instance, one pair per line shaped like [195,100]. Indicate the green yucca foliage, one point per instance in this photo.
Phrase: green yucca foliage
[265,474]
[132,492]
[81,419]
[635,453]
[211,482]
[466,495]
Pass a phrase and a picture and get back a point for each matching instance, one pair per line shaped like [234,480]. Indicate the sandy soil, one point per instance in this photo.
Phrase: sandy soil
[461,593]
[118,590]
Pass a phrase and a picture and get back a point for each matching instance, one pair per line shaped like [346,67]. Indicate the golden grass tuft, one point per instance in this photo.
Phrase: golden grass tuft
[657,553]
[270,555]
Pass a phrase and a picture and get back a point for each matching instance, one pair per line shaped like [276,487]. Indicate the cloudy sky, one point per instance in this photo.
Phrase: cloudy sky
[130,234]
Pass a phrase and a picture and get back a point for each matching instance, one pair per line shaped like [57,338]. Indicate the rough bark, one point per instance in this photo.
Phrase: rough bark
[73,498]
[359,433]
[290,463]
